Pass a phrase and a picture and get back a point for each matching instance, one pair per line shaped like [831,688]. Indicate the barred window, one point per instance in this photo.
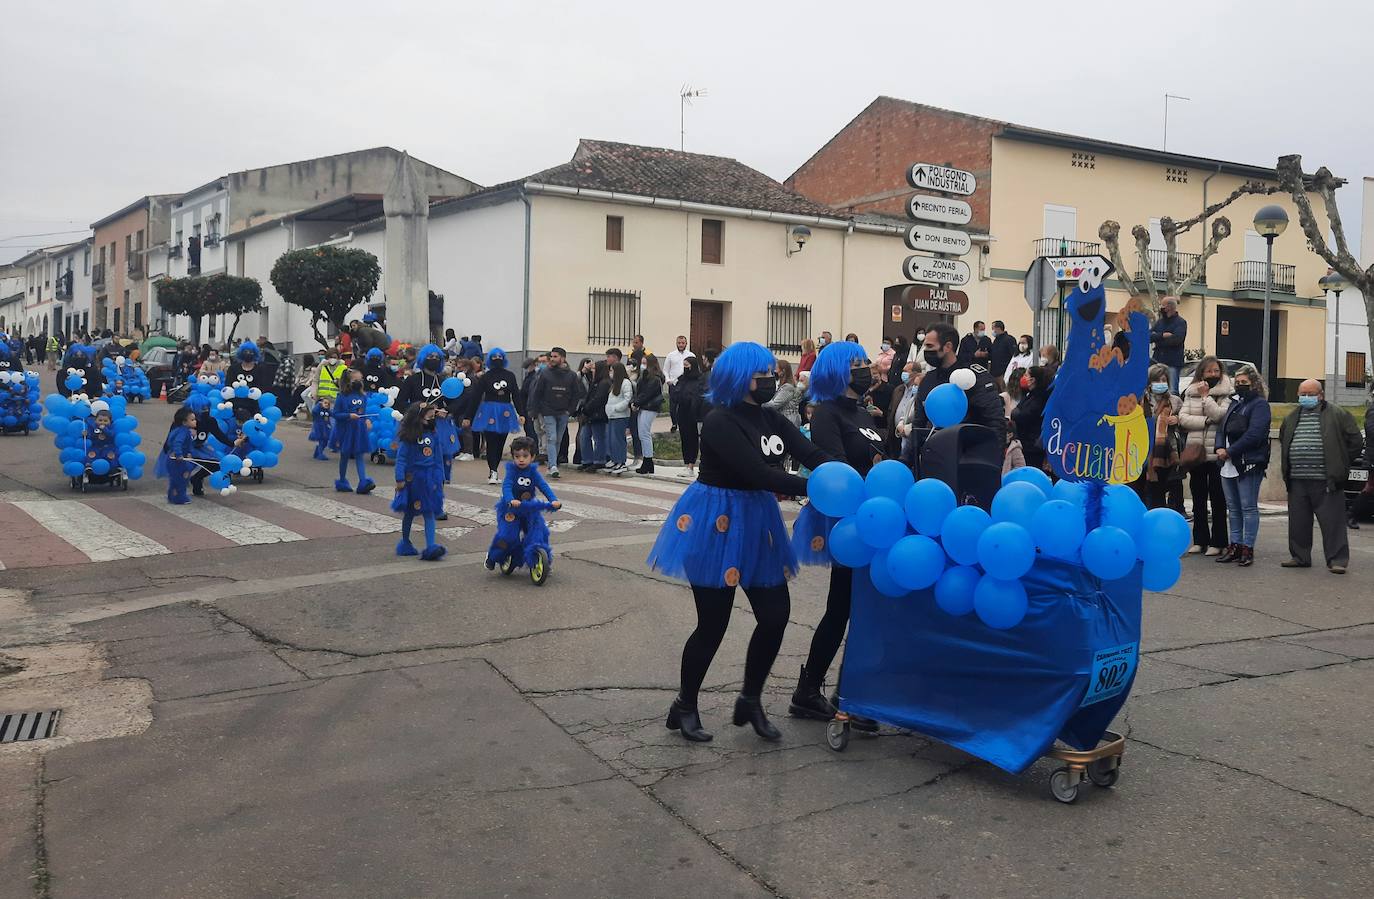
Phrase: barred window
[612,315]
[788,325]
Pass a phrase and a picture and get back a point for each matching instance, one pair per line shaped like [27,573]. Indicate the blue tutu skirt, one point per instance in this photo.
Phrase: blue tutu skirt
[350,437]
[716,537]
[446,437]
[423,493]
[497,418]
[321,430]
[811,536]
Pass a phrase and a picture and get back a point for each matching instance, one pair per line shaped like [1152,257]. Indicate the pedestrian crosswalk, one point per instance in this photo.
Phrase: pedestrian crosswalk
[138,524]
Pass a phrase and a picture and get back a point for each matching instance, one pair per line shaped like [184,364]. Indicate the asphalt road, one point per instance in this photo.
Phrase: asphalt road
[257,715]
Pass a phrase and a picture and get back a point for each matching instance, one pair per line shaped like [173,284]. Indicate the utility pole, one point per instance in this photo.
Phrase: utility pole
[684,100]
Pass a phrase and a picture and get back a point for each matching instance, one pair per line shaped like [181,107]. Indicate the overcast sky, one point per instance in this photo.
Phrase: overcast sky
[105,103]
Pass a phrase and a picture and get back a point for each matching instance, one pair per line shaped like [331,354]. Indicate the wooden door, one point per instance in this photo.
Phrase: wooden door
[707,328]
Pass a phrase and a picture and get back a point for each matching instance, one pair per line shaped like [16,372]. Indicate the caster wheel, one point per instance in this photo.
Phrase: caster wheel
[837,735]
[1105,772]
[1062,786]
[508,565]
[540,572]
[257,475]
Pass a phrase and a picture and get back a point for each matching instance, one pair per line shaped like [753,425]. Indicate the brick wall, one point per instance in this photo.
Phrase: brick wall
[863,168]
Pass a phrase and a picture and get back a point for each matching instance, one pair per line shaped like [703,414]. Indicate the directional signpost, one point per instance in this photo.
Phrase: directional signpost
[938,240]
[939,209]
[934,270]
[940,270]
[924,176]
[925,298]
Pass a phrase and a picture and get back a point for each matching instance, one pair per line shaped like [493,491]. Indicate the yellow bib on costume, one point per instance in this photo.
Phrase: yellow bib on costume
[1132,445]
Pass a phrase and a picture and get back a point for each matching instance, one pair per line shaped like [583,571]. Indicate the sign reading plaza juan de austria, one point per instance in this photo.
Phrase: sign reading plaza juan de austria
[932,269]
[939,209]
[924,176]
[928,298]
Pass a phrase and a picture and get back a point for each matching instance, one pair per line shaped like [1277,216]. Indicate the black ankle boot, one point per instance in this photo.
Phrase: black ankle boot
[1231,553]
[808,701]
[1245,556]
[749,710]
[687,721]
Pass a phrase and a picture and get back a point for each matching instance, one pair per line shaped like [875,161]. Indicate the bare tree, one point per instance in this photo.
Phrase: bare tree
[1176,280]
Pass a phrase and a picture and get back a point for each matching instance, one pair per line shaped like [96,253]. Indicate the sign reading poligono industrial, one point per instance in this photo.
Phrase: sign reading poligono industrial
[933,270]
[938,240]
[939,209]
[924,176]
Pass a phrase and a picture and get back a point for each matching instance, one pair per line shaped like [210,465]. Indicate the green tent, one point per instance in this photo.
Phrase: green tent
[157,341]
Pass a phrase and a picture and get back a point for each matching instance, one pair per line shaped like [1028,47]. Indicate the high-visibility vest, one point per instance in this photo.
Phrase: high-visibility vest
[329,380]
[53,346]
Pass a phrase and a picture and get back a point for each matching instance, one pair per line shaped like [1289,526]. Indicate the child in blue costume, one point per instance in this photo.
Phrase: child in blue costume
[175,462]
[419,480]
[493,409]
[726,531]
[100,442]
[520,529]
[321,428]
[350,433]
[425,385]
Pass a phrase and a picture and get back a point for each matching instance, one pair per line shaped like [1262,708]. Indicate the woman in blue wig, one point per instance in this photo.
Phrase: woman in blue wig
[843,429]
[726,532]
[493,410]
[426,386]
[249,369]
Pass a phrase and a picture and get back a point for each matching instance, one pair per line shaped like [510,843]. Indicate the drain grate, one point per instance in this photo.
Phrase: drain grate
[18,726]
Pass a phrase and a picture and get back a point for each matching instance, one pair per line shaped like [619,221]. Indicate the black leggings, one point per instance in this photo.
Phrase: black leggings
[771,606]
[687,428]
[496,445]
[830,632]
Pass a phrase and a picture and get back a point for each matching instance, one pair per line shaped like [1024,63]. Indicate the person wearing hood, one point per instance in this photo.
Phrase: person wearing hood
[689,404]
[350,433]
[1204,406]
[493,409]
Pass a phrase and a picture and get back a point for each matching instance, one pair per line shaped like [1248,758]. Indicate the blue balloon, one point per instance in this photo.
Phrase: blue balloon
[268,401]
[256,457]
[915,562]
[1005,550]
[1070,492]
[1030,476]
[881,522]
[118,406]
[889,478]
[928,502]
[1058,528]
[75,427]
[230,464]
[1017,502]
[100,466]
[10,421]
[218,480]
[57,403]
[1122,508]
[1109,552]
[123,441]
[880,574]
[73,469]
[55,423]
[846,547]
[125,423]
[961,531]
[836,489]
[269,460]
[946,405]
[1163,534]
[1000,604]
[241,391]
[70,454]
[451,388]
[127,461]
[134,473]
[274,446]
[73,382]
[954,590]
[272,413]
[1161,573]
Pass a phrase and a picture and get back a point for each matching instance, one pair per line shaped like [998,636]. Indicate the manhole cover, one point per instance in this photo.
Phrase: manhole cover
[17,726]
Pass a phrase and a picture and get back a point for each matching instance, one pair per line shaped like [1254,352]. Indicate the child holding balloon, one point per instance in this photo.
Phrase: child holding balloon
[176,462]
[419,480]
[350,434]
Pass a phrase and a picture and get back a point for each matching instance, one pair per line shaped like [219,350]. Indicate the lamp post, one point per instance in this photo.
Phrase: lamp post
[1270,222]
[1333,282]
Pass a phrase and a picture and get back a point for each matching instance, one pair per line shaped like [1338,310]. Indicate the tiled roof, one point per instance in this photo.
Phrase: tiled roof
[675,175]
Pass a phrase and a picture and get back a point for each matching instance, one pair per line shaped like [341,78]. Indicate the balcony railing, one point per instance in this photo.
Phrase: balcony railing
[1159,267]
[1250,276]
[1060,246]
[64,289]
[98,274]
[135,265]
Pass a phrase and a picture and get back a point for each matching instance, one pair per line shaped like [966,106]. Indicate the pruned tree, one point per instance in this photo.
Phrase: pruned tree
[327,282]
[1176,279]
[212,295]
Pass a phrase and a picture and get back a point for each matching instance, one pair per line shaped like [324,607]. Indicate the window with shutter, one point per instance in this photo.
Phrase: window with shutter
[712,241]
[615,233]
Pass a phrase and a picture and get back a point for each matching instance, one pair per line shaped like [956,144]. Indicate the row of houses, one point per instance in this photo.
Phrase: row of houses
[623,239]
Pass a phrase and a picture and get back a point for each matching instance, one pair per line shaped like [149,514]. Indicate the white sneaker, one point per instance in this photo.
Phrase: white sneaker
[620,470]
[465,457]
[491,478]
[1196,550]
[1213,551]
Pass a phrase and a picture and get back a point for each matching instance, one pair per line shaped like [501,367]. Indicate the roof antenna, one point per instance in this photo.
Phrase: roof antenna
[685,99]
[1167,98]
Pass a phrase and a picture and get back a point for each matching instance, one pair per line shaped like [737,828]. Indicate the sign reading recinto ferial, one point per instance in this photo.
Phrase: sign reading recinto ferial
[932,269]
[924,176]
[939,209]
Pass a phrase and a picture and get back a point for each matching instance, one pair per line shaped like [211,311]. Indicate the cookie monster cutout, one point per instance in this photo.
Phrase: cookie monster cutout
[1095,426]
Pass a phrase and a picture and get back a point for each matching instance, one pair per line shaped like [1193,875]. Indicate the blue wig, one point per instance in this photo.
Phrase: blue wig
[369,318]
[248,352]
[77,349]
[374,356]
[731,374]
[496,353]
[830,373]
[425,352]
[198,402]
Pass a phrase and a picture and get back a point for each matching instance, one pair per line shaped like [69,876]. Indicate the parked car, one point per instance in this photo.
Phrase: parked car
[1227,365]
[159,363]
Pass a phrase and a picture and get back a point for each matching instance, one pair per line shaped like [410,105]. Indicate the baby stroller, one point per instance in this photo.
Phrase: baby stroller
[113,477]
[510,550]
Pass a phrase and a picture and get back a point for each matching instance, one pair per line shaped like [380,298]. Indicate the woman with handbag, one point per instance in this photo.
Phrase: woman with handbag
[1164,476]
[1204,406]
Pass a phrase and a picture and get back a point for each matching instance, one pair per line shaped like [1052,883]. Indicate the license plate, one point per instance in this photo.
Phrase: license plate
[1359,474]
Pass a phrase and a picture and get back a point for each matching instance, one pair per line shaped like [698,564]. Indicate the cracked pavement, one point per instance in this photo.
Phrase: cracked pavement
[321,721]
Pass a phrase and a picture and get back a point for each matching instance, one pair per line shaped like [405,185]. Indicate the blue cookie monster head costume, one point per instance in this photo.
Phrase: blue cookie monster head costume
[6,357]
[830,373]
[430,358]
[496,358]
[248,352]
[733,371]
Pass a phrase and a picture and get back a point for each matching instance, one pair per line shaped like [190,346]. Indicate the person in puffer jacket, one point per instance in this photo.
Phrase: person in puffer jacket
[1204,406]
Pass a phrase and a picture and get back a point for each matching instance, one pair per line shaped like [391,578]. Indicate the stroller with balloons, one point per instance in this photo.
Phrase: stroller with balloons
[1002,615]
[124,377]
[97,441]
[20,410]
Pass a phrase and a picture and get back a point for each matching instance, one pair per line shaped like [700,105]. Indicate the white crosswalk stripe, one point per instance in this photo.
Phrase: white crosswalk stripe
[101,538]
[229,523]
[387,494]
[316,503]
[577,510]
[653,502]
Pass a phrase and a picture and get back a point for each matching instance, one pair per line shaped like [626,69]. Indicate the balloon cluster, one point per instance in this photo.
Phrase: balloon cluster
[381,438]
[72,422]
[261,450]
[133,382]
[19,405]
[912,535]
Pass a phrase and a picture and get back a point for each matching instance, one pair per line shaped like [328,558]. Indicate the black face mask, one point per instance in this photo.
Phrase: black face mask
[432,364]
[1212,382]
[355,386]
[767,388]
[933,358]
[1243,391]
[860,379]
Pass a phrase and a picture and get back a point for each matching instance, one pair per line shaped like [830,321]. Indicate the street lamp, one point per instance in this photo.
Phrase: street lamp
[1334,283]
[1270,222]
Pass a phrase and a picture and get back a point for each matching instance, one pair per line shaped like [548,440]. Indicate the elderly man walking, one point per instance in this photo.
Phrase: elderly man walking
[1318,441]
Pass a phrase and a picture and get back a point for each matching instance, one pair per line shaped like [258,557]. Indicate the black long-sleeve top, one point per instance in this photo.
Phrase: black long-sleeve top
[648,393]
[496,385]
[742,448]
[844,430]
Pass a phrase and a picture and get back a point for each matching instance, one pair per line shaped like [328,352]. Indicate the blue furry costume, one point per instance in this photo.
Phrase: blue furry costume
[20,408]
[419,491]
[520,530]
[180,442]
[425,385]
[321,428]
[350,437]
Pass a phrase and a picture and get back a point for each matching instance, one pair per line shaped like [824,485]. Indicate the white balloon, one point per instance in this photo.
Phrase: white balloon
[246,470]
[119,360]
[255,394]
[963,379]
[227,392]
[396,414]
[225,491]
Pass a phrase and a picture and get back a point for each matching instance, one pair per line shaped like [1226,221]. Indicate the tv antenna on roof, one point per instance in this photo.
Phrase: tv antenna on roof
[1167,98]
[685,99]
